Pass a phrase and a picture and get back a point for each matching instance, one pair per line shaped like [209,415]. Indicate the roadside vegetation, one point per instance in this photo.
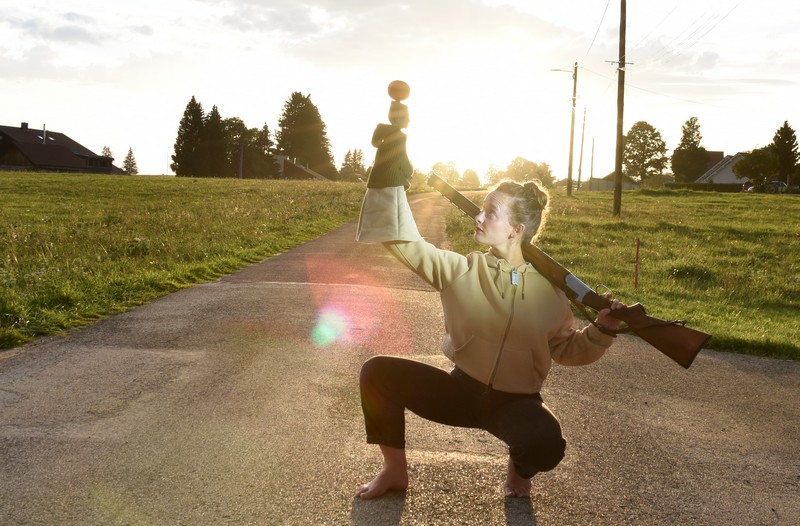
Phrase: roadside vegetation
[728,264]
[74,248]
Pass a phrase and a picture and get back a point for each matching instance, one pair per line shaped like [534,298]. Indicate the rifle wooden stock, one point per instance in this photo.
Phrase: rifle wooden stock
[672,338]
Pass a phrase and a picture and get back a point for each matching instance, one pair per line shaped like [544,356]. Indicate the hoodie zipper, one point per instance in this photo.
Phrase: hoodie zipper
[514,281]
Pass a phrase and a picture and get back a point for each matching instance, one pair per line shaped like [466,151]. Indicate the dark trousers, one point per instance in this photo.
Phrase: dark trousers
[390,385]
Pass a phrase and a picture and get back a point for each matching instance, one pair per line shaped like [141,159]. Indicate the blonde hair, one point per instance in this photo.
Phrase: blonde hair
[529,205]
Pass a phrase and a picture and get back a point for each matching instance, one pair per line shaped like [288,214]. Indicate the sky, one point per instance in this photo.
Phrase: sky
[491,80]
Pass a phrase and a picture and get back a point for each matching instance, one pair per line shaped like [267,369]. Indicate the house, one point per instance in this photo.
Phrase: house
[722,172]
[714,157]
[607,183]
[28,149]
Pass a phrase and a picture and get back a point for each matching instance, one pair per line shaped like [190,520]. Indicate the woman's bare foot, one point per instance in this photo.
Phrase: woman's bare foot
[393,476]
[385,481]
[515,485]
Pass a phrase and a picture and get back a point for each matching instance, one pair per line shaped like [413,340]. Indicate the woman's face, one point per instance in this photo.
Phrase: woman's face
[493,224]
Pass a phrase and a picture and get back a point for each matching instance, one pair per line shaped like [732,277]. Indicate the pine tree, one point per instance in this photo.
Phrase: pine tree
[264,166]
[214,148]
[353,166]
[689,160]
[784,144]
[302,136]
[129,164]
[187,159]
[106,152]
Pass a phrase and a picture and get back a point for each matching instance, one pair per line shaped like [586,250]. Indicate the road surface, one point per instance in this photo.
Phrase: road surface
[236,402]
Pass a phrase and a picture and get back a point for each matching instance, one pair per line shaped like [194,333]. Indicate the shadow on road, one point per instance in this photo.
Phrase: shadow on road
[384,511]
[388,510]
[519,512]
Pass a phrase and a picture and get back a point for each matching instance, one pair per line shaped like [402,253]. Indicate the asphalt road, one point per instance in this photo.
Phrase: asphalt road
[236,402]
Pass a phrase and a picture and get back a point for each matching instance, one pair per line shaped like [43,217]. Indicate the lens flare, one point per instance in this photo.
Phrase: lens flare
[333,325]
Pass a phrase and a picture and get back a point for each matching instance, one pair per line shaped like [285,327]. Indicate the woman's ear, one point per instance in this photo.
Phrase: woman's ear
[518,231]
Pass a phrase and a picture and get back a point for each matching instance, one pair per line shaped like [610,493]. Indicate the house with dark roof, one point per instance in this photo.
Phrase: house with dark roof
[29,149]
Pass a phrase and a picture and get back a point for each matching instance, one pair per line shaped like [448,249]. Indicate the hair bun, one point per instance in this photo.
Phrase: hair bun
[533,190]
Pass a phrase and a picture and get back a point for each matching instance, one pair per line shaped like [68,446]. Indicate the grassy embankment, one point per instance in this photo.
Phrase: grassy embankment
[729,264]
[74,248]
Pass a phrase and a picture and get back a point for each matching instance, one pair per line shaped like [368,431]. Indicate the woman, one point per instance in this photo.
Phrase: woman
[505,325]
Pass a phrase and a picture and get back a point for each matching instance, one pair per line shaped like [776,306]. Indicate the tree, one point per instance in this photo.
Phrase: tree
[302,135]
[187,159]
[644,152]
[129,164]
[521,170]
[248,150]
[106,152]
[263,160]
[237,138]
[784,145]
[447,172]
[469,179]
[214,147]
[760,165]
[353,166]
[689,160]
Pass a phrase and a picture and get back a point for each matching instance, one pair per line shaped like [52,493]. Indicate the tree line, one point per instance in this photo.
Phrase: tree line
[208,145]
[645,156]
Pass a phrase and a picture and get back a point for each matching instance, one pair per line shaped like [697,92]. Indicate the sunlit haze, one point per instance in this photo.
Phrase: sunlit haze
[483,89]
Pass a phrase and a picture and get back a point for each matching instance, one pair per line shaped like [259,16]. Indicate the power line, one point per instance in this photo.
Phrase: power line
[598,29]
[696,33]
[653,92]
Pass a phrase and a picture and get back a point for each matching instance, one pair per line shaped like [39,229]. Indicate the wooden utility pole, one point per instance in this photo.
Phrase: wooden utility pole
[572,128]
[620,106]
[580,157]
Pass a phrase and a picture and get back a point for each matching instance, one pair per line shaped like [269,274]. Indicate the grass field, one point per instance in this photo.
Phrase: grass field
[729,264]
[74,248]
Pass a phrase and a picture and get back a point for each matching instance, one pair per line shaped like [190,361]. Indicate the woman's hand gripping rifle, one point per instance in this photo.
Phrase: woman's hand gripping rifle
[672,338]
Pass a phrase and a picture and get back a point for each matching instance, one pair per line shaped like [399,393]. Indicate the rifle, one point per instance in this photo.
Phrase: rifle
[672,338]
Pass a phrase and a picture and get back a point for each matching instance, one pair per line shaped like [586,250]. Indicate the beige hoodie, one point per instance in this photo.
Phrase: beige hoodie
[504,325]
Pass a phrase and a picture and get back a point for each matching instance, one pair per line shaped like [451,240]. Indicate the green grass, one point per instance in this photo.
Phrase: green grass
[729,264]
[74,248]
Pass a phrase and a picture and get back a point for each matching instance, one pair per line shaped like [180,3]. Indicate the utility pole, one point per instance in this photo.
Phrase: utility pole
[572,128]
[620,106]
[572,124]
[580,161]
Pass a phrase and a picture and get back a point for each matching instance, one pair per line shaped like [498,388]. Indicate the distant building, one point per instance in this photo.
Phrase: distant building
[713,158]
[722,172]
[28,149]
[607,183]
[289,169]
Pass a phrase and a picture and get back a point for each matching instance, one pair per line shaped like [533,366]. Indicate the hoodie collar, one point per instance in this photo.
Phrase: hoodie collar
[508,275]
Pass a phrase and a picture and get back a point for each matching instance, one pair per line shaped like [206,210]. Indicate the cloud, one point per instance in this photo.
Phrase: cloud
[333,33]
[141,30]
[78,18]
[71,34]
